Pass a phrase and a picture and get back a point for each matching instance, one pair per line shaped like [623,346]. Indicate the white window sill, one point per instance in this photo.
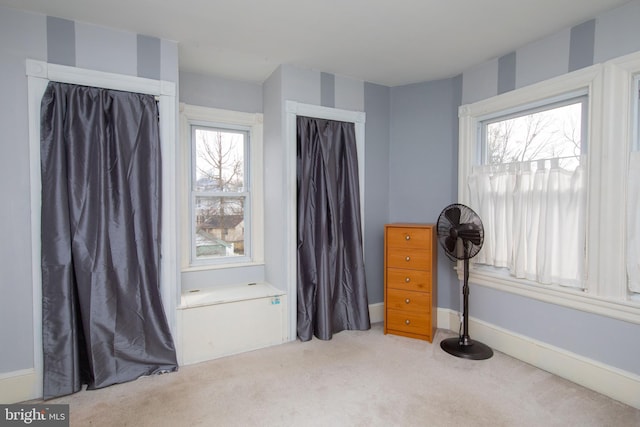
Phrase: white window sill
[227,294]
[628,311]
[220,266]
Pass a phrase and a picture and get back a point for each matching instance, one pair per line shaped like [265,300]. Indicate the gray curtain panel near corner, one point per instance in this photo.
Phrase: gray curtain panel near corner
[102,316]
[332,290]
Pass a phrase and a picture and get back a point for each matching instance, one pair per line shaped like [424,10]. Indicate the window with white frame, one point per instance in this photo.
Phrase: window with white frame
[546,168]
[220,203]
[529,186]
[223,156]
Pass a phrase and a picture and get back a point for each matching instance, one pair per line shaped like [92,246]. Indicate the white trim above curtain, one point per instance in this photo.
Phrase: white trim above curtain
[534,218]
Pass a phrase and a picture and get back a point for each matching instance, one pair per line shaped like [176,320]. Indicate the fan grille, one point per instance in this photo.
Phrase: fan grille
[460,232]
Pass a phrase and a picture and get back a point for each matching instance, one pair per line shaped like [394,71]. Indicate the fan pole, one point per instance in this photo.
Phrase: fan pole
[465,339]
[463,346]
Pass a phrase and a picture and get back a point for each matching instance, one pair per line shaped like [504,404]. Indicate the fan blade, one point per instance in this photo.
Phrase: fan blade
[470,233]
[453,215]
[450,243]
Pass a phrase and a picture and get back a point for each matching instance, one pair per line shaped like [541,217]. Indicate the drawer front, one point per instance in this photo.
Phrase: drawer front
[407,321]
[410,280]
[408,238]
[416,259]
[407,301]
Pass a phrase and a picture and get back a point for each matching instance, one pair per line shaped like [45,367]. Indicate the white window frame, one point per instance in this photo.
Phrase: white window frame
[609,131]
[246,194]
[579,97]
[252,123]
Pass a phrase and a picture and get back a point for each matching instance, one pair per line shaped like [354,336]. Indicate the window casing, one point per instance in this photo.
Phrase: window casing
[222,201]
[609,109]
[633,198]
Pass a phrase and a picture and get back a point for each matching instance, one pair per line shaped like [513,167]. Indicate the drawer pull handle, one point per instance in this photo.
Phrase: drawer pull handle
[407,237]
[407,322]
[408,258]
[408,279]
[407,301]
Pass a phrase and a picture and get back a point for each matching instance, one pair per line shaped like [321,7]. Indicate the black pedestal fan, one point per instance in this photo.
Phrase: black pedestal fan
[460,233]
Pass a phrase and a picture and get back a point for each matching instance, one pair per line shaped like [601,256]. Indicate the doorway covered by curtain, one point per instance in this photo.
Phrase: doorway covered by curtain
[102,317]
[331,284]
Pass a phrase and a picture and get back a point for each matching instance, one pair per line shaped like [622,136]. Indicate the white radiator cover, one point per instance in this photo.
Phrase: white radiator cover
[223,321]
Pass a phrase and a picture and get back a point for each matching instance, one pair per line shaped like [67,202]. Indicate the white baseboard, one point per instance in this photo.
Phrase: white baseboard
[18,386]
[618,384]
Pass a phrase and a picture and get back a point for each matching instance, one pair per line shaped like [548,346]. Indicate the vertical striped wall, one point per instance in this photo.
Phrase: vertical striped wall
[334,91]
[555,55]
[327,90]
[341,92]
[99,48]
[609,35]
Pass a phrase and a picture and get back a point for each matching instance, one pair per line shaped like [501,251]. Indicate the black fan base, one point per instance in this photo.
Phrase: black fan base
[474,350]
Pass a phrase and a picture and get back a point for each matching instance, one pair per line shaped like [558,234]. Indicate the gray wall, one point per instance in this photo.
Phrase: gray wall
[274,196]
[600,338]
[217,92]
[316,88]
[34,36]
[21,36]
[376,191]
[423,161]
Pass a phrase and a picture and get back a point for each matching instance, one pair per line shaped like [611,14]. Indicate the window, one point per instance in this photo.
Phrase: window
[575,132]
[529,187]
[223,197]
[219,193]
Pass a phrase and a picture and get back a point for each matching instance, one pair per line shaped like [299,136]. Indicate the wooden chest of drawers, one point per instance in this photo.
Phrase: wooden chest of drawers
[410,280]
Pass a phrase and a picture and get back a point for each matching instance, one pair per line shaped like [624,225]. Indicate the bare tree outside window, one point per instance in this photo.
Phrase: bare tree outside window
[548,134]
[219,186]
[219,160]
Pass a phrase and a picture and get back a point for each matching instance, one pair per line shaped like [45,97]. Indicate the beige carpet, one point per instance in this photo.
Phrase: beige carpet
[356,379]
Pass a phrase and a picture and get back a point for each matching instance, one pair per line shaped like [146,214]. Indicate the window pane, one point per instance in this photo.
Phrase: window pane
[552,133]
[219,227]
[219,160]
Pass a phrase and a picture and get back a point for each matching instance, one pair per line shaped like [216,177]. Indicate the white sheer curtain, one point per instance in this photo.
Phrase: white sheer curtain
[534,219]
[633,223]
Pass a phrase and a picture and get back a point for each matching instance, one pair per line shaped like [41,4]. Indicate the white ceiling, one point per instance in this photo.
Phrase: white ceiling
[389,42]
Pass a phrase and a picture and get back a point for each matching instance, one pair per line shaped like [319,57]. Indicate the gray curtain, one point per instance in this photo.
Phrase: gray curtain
[332,290]
[102,316]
